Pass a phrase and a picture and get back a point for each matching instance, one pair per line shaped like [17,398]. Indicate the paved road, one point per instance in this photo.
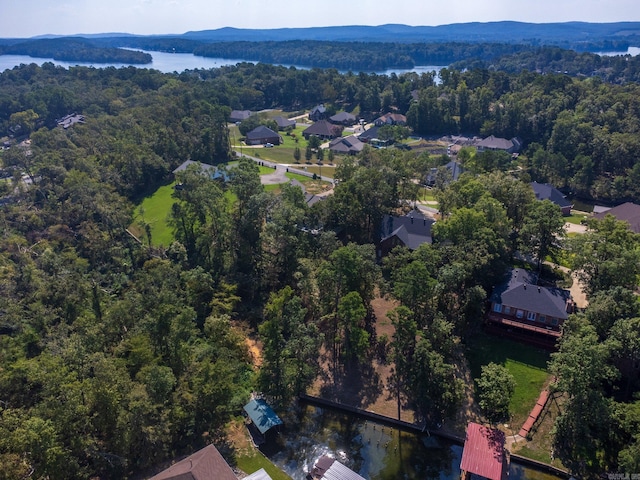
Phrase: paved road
[278,176]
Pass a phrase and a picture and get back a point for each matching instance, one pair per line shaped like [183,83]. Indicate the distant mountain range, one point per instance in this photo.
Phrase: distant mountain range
[491,32]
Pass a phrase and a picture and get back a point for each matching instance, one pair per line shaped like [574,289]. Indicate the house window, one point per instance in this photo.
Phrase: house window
[554,321]
[497,307]
[531,316]
[507,310]
[519,313]
[542,319]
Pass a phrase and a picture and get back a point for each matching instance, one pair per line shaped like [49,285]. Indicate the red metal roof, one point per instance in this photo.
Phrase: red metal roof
[483,452]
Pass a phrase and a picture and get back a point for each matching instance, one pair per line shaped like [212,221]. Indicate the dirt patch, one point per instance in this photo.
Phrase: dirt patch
[255,350]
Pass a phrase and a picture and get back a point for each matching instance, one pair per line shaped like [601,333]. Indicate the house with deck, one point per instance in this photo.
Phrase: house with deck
[390,119]
[522,309]
[484,455]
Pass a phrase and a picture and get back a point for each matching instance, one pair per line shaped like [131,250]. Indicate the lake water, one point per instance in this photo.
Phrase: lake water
[374,451]
[633,51]
[173,62]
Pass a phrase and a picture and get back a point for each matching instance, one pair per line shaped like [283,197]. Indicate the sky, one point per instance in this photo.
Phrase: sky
[27,18]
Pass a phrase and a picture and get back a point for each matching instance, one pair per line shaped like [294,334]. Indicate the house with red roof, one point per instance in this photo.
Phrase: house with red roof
[484,455]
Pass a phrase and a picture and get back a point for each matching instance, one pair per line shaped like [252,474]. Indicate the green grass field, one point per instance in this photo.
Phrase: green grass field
[250,463]
[576,217]
[155,210]
[527,364]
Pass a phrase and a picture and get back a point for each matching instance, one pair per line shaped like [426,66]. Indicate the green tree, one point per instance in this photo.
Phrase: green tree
[495,388]
[542,230]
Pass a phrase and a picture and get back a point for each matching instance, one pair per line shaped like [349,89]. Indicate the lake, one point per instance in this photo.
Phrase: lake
[175,62]
[374,451]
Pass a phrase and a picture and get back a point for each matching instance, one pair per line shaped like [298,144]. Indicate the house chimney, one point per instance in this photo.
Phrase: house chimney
[424,222]
[525,286]
[538,289]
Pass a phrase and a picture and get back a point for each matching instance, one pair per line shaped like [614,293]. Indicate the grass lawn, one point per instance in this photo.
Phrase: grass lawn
[155,210]
[527,364]
[576,217]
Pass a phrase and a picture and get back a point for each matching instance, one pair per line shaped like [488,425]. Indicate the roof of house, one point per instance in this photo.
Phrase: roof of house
[260,132]
[370,133]
[483,452]
[520,291]
[343,117]
[323,128]
[350,144]
[496,143]
[240,114]
[412,230]
[262,415]
[70,120]
[628,212]
[454,168]
[391,118]
[213,171]
[331,469]
[205,464]
[284,122]
[259,475]
[318,109]
[544,191]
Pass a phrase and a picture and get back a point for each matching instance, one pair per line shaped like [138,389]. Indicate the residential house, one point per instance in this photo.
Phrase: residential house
[328,468]
[390,119]
[205,464]
[411,231]
[523,309]
[214,172]
[369,134]
[319,112]
[343,118]
[497,143]
[545,191]
[239,115]
[350,145]
[284,123]
[627,212]
[484,455]
[323,129]
[448,173]
[262,135]
[70,120]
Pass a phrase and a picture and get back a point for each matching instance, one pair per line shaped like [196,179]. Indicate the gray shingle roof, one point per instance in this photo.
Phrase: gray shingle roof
[627,212]
[544,191]
[412,230]
[261,132]
[520,291]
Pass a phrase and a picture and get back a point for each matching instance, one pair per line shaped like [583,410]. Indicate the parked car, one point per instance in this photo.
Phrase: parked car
[268,145]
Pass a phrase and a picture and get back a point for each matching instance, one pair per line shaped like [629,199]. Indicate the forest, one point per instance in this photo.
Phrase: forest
[117,354]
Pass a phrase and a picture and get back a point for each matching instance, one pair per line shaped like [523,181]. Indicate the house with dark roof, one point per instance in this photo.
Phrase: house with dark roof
[343,118]
[369,134]
[318,112]
[284,123]
[205,464]
[448,173]
[323,129]
[239,115]
[411,231]
[532,312]
[261,135]
[350,145]
[390,119]
[545,191]
[627,212]
[484,455]
[328,468]
[497,143]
